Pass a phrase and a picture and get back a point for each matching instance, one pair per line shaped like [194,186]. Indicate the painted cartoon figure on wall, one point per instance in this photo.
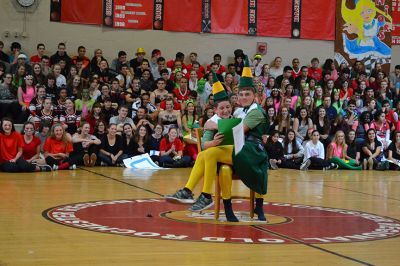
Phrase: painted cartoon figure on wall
[371,25]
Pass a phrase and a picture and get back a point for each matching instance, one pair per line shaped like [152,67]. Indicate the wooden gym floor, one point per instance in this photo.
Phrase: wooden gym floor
[32,233]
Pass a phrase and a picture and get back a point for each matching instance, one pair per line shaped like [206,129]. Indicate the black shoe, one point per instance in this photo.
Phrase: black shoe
[229,214]
[259,210]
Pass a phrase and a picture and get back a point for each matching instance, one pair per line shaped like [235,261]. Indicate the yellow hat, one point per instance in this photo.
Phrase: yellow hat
[140,50]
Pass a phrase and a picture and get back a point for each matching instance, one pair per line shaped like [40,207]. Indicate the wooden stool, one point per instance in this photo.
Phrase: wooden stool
[217,191]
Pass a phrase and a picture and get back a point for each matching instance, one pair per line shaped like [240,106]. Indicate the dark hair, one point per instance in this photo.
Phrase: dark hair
[146,138]
[397,67]
[15,45]
[26,123]
[217,55]
[80,47]
[269,140]
[295,148]
[162,71]
[287,68]
[179,55]
[160,59]
[121,53]
[40,44]
[9,120]
[367,141]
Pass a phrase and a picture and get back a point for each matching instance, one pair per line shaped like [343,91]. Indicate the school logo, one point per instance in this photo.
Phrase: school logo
[288,223]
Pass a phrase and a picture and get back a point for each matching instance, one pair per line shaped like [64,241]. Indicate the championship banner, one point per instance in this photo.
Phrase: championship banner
[131,14]
[189,18]
[396,22]
[363,32]
[296,16]
[158,15]
[206,16]
[252,16]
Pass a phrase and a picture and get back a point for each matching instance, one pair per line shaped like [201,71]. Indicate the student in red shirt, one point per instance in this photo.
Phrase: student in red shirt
[57,148]
[171,151]
[31,148]
[11,149]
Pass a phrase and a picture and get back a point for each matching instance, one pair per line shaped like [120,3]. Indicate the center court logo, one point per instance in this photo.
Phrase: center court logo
[289,223]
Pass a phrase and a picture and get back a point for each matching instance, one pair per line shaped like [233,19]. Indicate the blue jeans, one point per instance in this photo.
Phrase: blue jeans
[107,159]
[167,161]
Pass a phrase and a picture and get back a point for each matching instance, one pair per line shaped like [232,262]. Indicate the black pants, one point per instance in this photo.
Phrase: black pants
[19,166]
[290,164]
[318,163]
[76,157]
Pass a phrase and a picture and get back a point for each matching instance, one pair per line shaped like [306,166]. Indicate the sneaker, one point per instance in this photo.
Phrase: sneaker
[304,166]
[45,168]
[72,167]
[273,164]
[103,163]
[55,167]
[202,203]
[86,160]
[181,196]
[93,159]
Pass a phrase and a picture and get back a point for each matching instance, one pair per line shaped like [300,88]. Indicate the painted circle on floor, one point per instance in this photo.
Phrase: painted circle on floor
[288,223]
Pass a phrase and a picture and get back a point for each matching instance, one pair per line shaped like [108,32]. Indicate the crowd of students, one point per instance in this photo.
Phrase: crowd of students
[81,111]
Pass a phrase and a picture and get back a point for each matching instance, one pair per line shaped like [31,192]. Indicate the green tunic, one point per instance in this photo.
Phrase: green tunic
[251,163]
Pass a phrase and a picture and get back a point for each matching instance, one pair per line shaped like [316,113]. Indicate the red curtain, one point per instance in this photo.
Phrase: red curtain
[78,11]
[182,15]
[274,18]
[318,19]
[229,16]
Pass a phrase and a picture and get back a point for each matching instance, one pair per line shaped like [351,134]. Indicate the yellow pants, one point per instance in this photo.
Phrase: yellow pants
[206,166]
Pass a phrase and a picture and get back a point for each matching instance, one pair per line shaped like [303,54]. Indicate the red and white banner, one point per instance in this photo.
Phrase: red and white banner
[131,14]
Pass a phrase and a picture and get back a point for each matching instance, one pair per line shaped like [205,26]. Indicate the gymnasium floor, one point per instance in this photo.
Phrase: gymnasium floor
[116,216]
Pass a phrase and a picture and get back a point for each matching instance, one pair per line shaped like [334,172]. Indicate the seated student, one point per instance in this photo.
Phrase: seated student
[274,150]
[57,148]
[293,151]
[353,149]
[155,141]
[70,117]
[314,155]
[85,147]
[190,141]
[171,151]
[371,154]
[111,148]
[32,147]
[337,153]
[141,141]
[127,138]
[11,150]
[394,152]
